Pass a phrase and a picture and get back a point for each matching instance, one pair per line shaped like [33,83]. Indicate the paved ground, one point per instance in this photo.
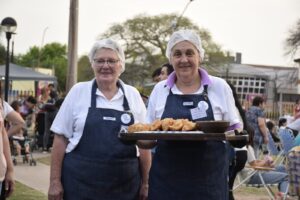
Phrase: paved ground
[36,177]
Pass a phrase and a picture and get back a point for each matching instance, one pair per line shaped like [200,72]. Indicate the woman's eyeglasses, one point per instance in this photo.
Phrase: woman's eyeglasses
[109,62]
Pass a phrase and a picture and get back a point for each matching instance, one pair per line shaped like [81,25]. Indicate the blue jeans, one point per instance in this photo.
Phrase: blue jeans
[0,187]
[279,176]
[257,142]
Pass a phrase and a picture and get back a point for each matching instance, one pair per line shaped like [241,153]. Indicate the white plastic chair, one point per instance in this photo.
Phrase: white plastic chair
[259,171]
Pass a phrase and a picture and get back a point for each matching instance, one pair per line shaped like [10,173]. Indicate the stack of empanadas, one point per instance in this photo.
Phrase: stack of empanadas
[167,124]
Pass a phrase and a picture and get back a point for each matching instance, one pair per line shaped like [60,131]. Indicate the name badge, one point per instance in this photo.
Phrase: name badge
[196,113]
[188,103]
[203,105]
[125,118]
[109,118]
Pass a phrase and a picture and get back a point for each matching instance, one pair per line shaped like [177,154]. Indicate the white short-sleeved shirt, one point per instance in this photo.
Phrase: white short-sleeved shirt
[219,94]
[6,109]
[70,119]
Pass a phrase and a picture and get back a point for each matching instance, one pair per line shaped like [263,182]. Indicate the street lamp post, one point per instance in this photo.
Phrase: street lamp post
[42,43]
[9,26]
[175,22]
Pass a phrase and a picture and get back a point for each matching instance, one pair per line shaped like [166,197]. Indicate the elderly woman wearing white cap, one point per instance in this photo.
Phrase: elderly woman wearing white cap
[88,159]
[190,170]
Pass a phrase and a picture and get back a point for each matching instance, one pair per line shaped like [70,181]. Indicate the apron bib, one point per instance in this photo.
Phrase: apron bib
[101,167]
[186,169]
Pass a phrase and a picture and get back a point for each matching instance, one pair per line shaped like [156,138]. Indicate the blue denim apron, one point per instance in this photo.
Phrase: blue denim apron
[189,170]
[101,167]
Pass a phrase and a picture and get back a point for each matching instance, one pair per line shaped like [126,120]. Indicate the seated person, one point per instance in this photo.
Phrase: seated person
[282,123]
[272,129]
[276,176]
[20,143]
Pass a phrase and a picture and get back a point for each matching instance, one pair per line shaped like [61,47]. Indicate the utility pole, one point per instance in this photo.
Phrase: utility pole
[72,45]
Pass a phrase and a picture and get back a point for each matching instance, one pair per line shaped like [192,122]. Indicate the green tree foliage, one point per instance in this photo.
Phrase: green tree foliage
[52,56]
[29,59]
[293,40]
[145,39]
[85,72]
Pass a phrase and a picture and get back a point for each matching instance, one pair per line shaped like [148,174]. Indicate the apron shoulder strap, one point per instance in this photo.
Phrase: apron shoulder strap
[204,93]
[93,96]
[125,102]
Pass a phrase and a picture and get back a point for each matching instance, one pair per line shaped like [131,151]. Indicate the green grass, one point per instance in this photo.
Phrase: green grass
[247,190]
[24,192]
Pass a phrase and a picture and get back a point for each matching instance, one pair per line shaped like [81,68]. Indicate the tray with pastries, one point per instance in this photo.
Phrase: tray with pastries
[179,129]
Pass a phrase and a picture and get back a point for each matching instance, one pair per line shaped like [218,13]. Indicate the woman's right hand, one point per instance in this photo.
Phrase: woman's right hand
[55,190]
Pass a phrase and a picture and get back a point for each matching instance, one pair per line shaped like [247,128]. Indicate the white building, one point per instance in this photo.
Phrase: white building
[279,85]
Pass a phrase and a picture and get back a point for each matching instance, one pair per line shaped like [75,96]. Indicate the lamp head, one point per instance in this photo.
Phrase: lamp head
[9,25]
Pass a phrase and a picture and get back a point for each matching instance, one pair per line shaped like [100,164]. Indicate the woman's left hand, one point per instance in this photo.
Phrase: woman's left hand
[144,192]
[9,183]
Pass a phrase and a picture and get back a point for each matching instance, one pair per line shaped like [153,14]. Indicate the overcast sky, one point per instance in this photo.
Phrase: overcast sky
[256,28]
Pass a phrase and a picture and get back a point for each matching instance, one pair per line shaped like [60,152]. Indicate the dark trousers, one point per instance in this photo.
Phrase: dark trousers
[2,196]
[237,164]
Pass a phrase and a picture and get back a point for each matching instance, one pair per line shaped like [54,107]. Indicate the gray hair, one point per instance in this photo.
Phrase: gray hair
[109,44]
[185,35]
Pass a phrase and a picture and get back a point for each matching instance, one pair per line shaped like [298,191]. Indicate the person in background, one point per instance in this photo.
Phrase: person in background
[27,110]
[190,170]
[276,176]
[52,94]
[16,122]
[282,123]
[297,110]
[6,165]
[155,75]
[18,137]
[295,124]
[44,97]
[272,130]
[89,161]
[256,119]
[166,70]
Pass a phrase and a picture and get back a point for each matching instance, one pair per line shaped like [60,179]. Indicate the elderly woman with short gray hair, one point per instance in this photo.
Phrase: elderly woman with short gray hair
[88,159]
[197,169]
